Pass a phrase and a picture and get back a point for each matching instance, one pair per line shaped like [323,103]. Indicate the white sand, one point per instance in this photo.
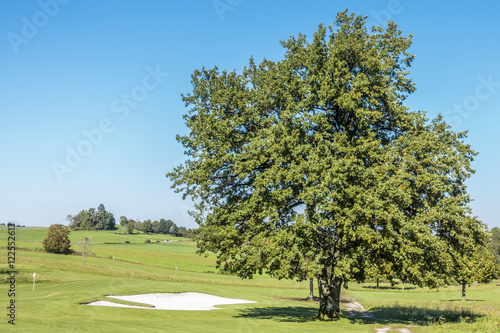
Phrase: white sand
[179,301]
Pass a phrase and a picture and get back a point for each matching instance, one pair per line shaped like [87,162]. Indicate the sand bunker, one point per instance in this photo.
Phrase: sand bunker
[179,301]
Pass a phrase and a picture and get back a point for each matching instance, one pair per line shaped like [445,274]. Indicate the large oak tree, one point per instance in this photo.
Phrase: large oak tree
[313,166]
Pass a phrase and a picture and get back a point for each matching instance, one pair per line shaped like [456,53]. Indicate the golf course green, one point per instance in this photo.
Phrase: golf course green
[63,285]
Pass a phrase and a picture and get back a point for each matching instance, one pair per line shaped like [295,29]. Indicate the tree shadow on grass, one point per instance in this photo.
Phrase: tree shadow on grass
[388,288]
[387,315]
[296,314]
[423,315]
[460,301]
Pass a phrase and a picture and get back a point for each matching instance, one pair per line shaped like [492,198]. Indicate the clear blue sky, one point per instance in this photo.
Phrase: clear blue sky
[67,68]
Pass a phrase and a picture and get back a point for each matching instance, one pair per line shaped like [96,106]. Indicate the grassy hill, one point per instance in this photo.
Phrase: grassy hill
[31,236]
[64,285]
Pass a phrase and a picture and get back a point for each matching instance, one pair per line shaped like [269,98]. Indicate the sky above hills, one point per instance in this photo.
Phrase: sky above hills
[91,91]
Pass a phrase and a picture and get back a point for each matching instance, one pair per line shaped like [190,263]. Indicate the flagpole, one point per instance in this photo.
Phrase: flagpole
[34,281]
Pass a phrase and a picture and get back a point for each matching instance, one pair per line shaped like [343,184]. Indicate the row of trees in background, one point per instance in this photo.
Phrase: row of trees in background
[482,266]
[101,219]
[93,219]
[165,227]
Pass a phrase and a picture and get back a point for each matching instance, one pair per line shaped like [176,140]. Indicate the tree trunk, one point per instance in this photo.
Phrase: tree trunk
[311,289]
[403,285]
[84,259]
[377,282]
[463,290]
[320,290]
[329,306]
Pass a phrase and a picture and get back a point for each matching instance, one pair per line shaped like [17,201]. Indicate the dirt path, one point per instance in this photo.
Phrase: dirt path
[356,310]
[389,329]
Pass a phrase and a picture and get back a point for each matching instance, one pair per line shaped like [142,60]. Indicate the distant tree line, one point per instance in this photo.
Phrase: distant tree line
[17,225]
[101,219]
[93,219]
[165,227]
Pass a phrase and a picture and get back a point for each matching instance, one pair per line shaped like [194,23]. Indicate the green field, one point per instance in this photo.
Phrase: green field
[64,284]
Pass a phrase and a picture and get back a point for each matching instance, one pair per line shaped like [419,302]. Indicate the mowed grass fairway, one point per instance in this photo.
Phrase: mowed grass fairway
[64,285]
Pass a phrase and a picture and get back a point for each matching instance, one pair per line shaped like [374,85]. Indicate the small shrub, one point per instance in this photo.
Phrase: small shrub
[57,240]
[147,241]
[127,242]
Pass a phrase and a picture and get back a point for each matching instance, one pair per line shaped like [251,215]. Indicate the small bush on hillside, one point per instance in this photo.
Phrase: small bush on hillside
[57,240]
[147,241]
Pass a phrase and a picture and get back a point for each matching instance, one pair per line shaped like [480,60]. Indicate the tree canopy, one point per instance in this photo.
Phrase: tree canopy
[147,227]
[314,165]
[57,240]
[494,246]
[164,226]
[494,243]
